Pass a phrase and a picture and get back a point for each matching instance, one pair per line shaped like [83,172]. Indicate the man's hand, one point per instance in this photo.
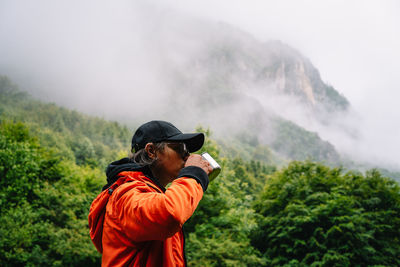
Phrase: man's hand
[197,160]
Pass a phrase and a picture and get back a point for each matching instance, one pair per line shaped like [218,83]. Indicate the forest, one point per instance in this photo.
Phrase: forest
[258,212]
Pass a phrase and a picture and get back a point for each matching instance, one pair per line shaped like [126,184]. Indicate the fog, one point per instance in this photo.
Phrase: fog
[116,59]
[354,45]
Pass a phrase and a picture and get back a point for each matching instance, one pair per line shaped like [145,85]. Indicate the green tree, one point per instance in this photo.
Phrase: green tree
[312,215]
[217,233]
[44,204]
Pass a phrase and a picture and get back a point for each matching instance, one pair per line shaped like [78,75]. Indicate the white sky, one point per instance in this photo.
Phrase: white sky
[355,44]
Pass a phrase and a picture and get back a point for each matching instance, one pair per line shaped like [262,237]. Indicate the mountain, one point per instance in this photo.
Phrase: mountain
[238,85]
[214,75]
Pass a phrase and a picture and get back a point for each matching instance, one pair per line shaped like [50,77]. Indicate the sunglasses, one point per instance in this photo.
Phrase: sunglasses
[179,148]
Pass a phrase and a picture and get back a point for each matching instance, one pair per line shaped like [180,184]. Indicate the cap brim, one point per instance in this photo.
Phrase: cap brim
[193,141]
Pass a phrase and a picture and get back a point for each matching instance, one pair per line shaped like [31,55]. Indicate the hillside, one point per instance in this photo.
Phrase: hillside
[99,138]
[73,135]
[52,164]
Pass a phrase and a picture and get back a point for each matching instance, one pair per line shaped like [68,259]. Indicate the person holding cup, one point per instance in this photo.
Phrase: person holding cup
[136,220]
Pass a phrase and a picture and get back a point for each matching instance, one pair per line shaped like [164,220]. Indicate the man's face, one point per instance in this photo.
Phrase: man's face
[171,160]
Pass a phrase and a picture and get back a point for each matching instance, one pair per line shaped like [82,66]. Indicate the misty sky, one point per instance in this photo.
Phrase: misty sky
[354,44]
[84,49]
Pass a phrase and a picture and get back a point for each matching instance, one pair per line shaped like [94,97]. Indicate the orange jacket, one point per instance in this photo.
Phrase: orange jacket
[137,223]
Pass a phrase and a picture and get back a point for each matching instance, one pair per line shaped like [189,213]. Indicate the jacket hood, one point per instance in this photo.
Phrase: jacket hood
[121,165]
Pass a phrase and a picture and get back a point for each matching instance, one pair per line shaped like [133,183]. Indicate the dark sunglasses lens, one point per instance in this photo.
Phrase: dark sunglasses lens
[185,152]
[180,148]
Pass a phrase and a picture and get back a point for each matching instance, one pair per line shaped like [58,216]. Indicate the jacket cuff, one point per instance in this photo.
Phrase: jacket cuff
[196,173]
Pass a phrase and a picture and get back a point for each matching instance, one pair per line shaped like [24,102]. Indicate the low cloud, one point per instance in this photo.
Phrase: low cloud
[127,60]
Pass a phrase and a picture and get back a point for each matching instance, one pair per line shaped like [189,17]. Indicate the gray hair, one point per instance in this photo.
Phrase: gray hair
[142,158]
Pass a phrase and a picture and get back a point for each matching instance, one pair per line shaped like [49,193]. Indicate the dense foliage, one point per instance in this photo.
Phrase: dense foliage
[311,215]
[44,202]
[51,168]
[219,229]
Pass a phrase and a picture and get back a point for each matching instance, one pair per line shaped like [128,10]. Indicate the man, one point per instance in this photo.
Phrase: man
[136,221]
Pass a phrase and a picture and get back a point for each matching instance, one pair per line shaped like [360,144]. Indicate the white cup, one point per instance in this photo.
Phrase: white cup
[216,168]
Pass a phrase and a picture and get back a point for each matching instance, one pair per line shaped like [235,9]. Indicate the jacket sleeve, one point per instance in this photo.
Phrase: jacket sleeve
[155,216]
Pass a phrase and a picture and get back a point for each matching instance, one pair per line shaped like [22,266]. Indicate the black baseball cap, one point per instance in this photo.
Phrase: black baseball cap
[159,131]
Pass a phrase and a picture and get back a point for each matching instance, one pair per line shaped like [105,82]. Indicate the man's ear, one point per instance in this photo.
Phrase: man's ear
[151,152]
